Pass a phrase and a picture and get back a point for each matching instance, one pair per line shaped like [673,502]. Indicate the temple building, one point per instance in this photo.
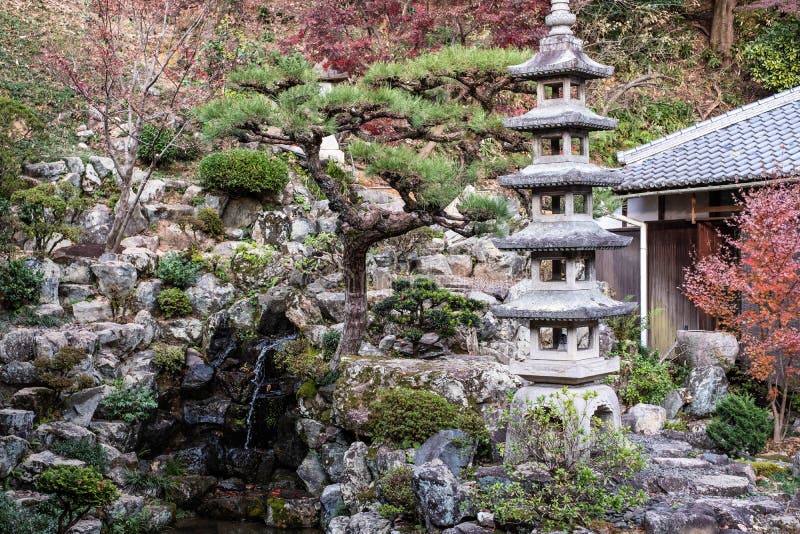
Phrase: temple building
[562,300]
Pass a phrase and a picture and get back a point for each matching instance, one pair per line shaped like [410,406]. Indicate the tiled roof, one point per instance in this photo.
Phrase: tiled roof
[755,142]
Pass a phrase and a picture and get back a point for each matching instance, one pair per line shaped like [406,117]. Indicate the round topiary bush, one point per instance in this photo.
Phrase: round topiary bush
[173,302]
[210,222]
[242,172]
[177,270]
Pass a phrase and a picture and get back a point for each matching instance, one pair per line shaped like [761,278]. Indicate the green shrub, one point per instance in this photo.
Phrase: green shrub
[177,270]
[19,284]
[77,491]
[168,360]
[173,302]
[161,484]
[25,519]
[137,523]
[131,404]
[420,306]
[243,172]
[644,379]
[330,342]
[404,416]
[46,212]
[395,489]
[583,471]
[299,359]
[773,58]
[739,426]
[767,469]
[153,140]
[210,222]
[92,453]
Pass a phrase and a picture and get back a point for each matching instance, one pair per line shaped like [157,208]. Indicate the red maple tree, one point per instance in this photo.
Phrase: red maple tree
[350,35]
[753,288]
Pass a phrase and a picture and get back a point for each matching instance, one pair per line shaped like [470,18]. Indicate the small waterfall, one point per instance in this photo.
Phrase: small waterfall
[265,347]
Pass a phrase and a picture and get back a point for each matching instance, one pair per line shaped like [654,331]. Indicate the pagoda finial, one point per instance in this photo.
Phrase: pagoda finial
[560,19]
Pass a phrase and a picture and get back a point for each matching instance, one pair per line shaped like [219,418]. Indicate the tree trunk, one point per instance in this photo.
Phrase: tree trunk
[117,227]
[354,259]
[721,36]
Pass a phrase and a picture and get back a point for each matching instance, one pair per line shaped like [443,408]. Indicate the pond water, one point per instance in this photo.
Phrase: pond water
[210,526]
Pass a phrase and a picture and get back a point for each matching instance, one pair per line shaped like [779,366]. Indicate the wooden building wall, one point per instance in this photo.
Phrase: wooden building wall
[669,251]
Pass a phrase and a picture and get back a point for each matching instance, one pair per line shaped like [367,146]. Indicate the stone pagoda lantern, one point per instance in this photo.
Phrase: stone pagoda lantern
[562,301]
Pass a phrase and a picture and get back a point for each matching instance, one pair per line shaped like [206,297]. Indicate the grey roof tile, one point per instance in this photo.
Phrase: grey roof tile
[756,142]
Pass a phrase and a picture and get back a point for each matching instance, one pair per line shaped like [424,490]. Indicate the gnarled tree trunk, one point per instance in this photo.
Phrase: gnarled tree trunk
[354,259]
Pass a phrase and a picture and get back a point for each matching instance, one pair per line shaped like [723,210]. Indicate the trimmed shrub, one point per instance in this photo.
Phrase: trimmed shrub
[209,221]
[177,270]
[85,450]
[243,172]
[169,360]
[131,404]
[404,416]
[25,519]
[643,378]
[19,284]
[55,372]
[739,426]
[77,490]
[173,302]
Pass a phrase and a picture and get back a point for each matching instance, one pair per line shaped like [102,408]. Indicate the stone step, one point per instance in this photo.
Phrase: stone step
[670,449]
[682,463]
[721,485]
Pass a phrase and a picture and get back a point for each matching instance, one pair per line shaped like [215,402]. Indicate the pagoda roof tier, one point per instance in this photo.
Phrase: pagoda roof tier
[563,305]
[546,175]
[566,116]
[562,236]
[559,55]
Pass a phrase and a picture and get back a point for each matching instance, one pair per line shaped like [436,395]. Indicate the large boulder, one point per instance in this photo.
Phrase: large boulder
[48,434]
[705,387]
[453,447]
[645,418]
[271,228]
[16,422]
[439,494]
[45,171]
[312,473]
[298,512]
[92,311]
[116,279]
[356,477]
[435,264]
[465,381]
[241,212]
[700,348]
[95,224]
[12,449]
[79,407]
[210,294]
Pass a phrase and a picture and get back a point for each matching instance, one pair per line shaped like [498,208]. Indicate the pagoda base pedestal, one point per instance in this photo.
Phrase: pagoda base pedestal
[566,371]
[601,403]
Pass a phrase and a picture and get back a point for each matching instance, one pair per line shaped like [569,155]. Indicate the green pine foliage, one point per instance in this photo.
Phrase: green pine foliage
[164,143]
[36,519]
[173,302]
[19,284]
[46,212]
[77,491]
[739,426]
[420,306]
[330,341]
[244,172]
[209,221]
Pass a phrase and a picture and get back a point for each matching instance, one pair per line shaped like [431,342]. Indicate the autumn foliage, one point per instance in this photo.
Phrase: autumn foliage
[753,288]
[352,34]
